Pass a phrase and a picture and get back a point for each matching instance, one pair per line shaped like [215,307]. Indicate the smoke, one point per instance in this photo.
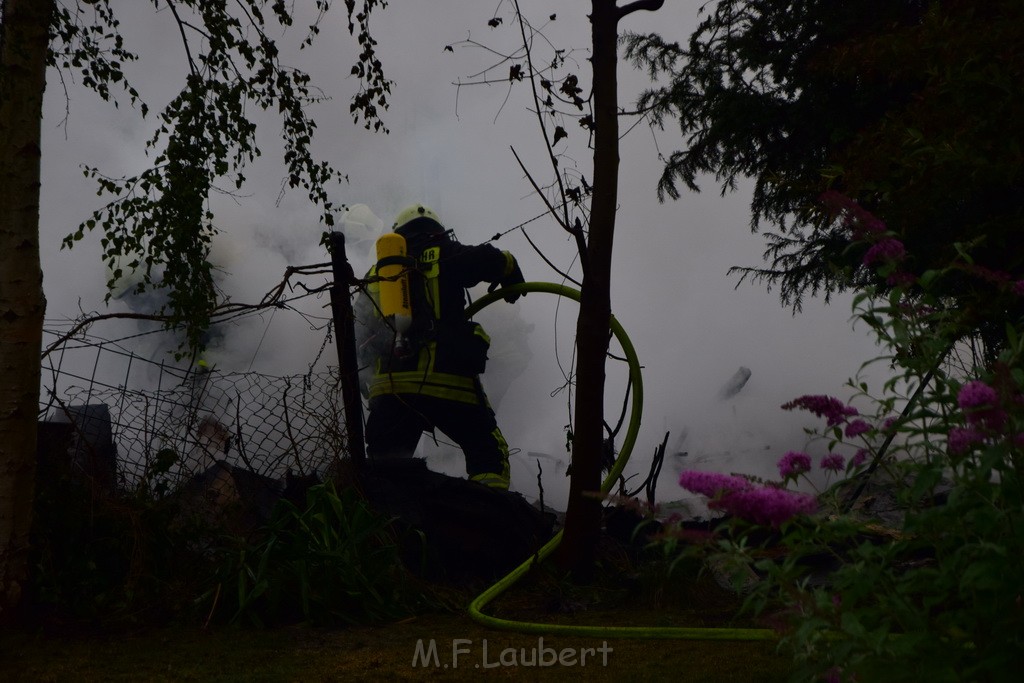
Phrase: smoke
[450,149]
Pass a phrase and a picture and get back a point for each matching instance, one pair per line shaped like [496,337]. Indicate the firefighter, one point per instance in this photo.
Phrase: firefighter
[427,366]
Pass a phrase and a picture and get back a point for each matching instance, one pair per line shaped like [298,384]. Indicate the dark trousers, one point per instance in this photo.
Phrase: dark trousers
[396,422]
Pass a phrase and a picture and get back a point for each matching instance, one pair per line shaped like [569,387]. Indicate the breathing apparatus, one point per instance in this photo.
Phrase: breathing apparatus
[393,266]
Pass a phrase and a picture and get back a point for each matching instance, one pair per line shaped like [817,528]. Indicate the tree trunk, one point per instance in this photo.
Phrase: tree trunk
[583,513]
[23,53]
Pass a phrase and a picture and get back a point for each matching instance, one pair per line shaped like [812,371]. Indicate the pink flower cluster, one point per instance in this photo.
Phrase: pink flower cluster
[833,462]
[832,409]
[865,226]
[710,484]
[856,428]
[793,464]
[859,458]
[888,250]
[985,416]
[859,220]
[976,394]
[999,278]
[766,505]
[960,439]
[995,277]
[900,279]
[980,404]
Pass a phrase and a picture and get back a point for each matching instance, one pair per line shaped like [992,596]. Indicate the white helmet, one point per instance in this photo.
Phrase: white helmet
[415,212]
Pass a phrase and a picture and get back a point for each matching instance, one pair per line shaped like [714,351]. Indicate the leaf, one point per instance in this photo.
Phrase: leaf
[929,276]
[559,134]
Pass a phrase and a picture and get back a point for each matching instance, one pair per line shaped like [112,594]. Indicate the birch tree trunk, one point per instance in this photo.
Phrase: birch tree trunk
[23,54]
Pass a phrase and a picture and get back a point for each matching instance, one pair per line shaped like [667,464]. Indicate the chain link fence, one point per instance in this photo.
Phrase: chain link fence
[189,419]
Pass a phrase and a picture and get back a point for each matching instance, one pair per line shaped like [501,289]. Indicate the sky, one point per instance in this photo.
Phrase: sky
[450,147]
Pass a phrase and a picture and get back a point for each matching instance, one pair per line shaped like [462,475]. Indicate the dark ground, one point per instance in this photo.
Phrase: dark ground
[383,653]
[626,593]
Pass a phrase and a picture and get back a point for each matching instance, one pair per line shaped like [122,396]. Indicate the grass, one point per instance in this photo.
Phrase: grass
[304,653]
[387,652]
[630,589]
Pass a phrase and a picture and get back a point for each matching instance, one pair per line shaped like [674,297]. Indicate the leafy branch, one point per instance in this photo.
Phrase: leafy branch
[161,219]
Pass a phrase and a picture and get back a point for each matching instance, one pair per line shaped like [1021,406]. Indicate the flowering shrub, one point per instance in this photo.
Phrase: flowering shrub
[767,505]
[936,590]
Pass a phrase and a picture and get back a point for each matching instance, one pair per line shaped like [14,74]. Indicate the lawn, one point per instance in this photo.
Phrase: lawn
[401,651]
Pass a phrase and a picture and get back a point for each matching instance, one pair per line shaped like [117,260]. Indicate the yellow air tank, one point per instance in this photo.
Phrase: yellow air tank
[395,300]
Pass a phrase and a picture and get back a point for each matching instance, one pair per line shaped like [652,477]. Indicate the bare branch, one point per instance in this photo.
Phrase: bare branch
[553,266]
[576,232]
[551,208]
[564,221]
[82,324]
[184,38]
[221,313]
[637,5]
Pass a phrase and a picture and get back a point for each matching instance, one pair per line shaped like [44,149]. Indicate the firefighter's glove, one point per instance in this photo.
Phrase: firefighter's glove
[513,276]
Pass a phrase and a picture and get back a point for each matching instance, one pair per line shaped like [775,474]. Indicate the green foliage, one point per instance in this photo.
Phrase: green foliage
[933,597]
[113,560]
[904,106]
[95,49]
[333,562]
[140,559]
[159,222]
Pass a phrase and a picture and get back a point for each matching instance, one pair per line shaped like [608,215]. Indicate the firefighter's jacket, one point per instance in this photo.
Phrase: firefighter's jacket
[447,351]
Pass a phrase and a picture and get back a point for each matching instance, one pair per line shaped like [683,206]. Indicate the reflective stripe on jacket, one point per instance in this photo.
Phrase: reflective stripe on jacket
[426,380]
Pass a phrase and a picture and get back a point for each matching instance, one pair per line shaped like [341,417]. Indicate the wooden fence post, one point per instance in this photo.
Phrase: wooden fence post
[345,338]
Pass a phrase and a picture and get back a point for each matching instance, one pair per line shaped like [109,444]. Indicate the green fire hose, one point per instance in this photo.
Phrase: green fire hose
[629,441]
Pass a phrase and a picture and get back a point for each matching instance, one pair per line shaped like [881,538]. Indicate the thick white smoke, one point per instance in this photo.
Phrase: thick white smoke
[450,148]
